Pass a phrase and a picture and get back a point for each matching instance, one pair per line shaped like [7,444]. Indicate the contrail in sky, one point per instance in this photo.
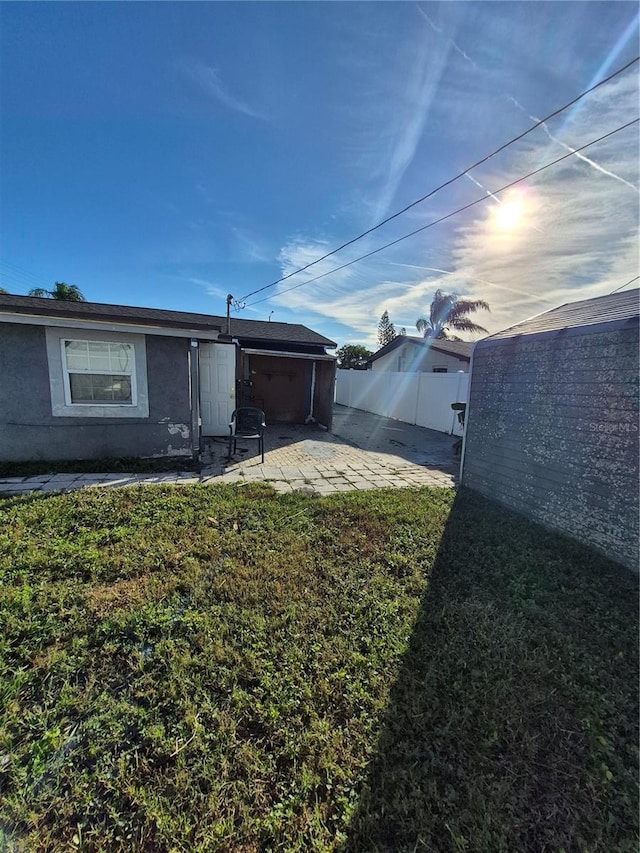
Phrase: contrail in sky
[618,47]
[484,189]
[578,154]
[438,30]
[462,274]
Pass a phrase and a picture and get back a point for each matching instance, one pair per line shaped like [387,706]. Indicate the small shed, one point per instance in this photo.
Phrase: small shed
[552,422]
[285,370]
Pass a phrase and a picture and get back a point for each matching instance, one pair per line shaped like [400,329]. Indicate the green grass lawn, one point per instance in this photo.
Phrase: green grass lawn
[225,669]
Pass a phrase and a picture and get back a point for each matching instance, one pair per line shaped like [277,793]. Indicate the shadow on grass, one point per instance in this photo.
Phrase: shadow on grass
[513,721]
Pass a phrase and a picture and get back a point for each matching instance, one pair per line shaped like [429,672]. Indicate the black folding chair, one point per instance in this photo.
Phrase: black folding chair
[247,422]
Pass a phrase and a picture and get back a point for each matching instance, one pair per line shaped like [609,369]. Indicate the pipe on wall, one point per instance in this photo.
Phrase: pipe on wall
[310,418]
[194,383]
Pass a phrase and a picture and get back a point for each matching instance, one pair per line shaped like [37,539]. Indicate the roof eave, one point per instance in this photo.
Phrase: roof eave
[110,318]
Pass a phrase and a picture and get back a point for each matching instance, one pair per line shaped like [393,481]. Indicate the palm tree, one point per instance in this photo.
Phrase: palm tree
[65,292]
[448,311]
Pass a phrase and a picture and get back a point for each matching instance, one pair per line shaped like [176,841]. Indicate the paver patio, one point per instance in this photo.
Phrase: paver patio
[364,451]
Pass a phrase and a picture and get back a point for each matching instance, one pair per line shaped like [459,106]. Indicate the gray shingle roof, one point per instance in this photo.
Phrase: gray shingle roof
[460,349]
[268,331]
[588,312]
[260,330]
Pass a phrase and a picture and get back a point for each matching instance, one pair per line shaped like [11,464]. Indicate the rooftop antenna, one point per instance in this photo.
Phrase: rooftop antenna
[270,313]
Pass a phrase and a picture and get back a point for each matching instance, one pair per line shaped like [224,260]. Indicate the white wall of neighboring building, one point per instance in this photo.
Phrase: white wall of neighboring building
[410,358]
[415,398]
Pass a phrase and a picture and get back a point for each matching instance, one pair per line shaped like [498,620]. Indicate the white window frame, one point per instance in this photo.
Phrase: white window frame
[66,371]
[61,405]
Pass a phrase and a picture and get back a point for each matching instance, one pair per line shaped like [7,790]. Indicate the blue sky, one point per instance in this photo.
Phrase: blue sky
[161,154]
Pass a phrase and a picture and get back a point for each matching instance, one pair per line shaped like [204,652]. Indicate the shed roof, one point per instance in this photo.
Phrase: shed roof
[259,330]
[614,307]
[264,330]
[458,349]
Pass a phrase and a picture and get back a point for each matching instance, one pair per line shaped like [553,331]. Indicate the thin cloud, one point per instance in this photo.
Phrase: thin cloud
[417,87]
[465,278]
[248,248]
[577,239]
[345,297]
[209,81]
[210,288]
[578,236]
[394,103]
[417,83]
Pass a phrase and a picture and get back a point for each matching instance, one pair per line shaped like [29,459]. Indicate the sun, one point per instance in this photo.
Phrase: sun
[508,215]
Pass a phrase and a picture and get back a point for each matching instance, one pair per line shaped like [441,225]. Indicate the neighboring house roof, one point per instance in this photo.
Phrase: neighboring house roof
[588,312]
[458,349]
[257,330]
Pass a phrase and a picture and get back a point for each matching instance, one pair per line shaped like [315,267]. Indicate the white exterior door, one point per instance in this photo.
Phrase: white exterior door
[217,387]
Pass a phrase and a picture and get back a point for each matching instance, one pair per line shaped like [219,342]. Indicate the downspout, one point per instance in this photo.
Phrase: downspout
[310,418]
[239,374]
[333,380]
[467,412]
[194,384]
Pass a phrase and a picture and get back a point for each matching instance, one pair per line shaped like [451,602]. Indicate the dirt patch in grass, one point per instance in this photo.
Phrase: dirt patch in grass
[219,668]
[103,599]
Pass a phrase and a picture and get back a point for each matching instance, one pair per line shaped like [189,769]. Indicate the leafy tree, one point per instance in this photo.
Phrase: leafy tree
[448,311]
[353,357]
[386,330]
[65,292]
[2,290]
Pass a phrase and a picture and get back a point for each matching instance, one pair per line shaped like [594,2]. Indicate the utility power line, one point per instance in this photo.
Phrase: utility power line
[626,284]
[20,276]
[485,197]
[20,270]
[18,284]
[445,184]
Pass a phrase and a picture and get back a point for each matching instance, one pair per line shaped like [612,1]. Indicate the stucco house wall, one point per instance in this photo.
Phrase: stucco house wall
[29,430]
[552,431]
[93,380]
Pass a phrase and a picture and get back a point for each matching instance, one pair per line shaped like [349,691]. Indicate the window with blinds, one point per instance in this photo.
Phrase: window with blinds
[99,373]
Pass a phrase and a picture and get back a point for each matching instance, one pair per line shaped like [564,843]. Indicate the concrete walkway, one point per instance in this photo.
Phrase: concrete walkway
[364,451]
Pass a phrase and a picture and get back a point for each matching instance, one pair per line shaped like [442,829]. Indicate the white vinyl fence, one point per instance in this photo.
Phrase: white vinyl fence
[416,398]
